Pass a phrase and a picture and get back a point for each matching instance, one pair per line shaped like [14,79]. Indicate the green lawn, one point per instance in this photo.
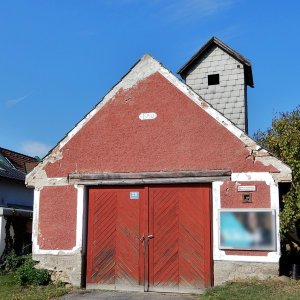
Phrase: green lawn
[254,289]
[9,289]
[244,290]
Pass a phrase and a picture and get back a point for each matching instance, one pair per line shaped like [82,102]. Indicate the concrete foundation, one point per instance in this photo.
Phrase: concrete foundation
[232,270]
[66,268]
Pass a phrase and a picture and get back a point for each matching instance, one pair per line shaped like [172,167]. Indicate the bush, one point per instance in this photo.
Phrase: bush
[11,262]
[283,140]
[27,274]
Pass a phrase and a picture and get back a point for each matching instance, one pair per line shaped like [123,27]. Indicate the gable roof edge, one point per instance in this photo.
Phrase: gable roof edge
[145,67]
[255,150]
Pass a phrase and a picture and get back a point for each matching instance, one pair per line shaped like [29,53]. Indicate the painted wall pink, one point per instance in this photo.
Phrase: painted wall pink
[57,218]
[182,137]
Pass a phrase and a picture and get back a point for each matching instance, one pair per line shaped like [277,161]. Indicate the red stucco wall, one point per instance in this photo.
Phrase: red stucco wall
[57,218]
[182,137]
[231,198]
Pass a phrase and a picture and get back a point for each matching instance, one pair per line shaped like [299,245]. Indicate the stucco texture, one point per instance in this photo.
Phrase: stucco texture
[57,218]
[232,198]
[182,137]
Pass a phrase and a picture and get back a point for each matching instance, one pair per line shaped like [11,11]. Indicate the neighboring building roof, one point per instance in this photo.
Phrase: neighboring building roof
[216,42]
[19,161]
[14,165]
[11,173]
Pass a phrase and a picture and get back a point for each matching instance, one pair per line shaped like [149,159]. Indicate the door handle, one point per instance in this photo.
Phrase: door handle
[143,238]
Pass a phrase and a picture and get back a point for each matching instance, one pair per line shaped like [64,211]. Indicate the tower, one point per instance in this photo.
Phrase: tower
[220,76]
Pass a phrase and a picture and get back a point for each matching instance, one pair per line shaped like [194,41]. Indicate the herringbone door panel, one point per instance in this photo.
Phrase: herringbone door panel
[115,252]
[158,242]
[180,250]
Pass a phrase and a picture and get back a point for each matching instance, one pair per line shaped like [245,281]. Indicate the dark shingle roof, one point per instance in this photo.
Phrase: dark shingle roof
[216,42]
[14,165]
[19,161]
[11,173]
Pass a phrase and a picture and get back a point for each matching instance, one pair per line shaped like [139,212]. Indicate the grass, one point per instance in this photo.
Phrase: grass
[11,290]
[242,290]
[255,289]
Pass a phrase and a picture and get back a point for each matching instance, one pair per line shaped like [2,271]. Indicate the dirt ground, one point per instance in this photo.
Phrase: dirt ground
[97,294]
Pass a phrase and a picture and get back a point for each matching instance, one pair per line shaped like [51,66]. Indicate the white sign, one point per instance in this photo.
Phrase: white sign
[134,195]
[246,188]
[148,116]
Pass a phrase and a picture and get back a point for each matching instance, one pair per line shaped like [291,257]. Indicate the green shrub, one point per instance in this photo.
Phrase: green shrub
[11,262]
[27,274]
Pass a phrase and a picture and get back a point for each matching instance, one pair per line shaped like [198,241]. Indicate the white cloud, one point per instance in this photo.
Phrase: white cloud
[34,148]
[14,102]
[181,11]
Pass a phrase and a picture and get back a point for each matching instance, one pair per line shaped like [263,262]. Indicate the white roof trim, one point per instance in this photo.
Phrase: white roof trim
[255,150]
[145,67]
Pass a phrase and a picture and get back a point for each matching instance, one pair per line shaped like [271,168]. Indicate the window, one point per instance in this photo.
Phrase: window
[213,79]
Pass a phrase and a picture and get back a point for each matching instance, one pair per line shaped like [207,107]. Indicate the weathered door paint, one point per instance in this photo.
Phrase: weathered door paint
[116,223]
[158,242]
[180,252]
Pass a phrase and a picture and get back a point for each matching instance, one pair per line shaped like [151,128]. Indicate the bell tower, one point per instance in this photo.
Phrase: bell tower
[220,76]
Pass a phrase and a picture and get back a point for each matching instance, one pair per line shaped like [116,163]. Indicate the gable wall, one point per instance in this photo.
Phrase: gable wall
[229,97]
[182,137]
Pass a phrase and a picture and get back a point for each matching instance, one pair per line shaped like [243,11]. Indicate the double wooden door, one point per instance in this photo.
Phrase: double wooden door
[155,238]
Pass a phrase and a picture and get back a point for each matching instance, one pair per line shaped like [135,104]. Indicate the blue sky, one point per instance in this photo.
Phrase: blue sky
[58,58]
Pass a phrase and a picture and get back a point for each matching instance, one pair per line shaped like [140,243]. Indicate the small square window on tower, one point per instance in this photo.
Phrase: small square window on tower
[213,79]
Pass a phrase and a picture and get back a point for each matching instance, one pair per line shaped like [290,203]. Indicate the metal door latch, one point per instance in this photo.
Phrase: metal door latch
[143,238]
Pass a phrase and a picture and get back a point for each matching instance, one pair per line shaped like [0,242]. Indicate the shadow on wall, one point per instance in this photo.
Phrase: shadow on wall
[15,235]
[289,264]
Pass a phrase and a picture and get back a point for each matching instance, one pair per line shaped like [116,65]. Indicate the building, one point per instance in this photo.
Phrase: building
[16,202]
[158,188]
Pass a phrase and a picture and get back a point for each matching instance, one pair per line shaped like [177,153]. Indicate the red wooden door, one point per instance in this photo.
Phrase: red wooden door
[177,255]
[116,222]
[180,252]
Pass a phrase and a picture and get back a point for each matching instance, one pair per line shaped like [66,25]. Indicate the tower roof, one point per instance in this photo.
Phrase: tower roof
[216,42]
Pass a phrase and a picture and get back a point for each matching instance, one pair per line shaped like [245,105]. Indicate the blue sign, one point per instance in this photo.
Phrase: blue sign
[247,229]
[134,195]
